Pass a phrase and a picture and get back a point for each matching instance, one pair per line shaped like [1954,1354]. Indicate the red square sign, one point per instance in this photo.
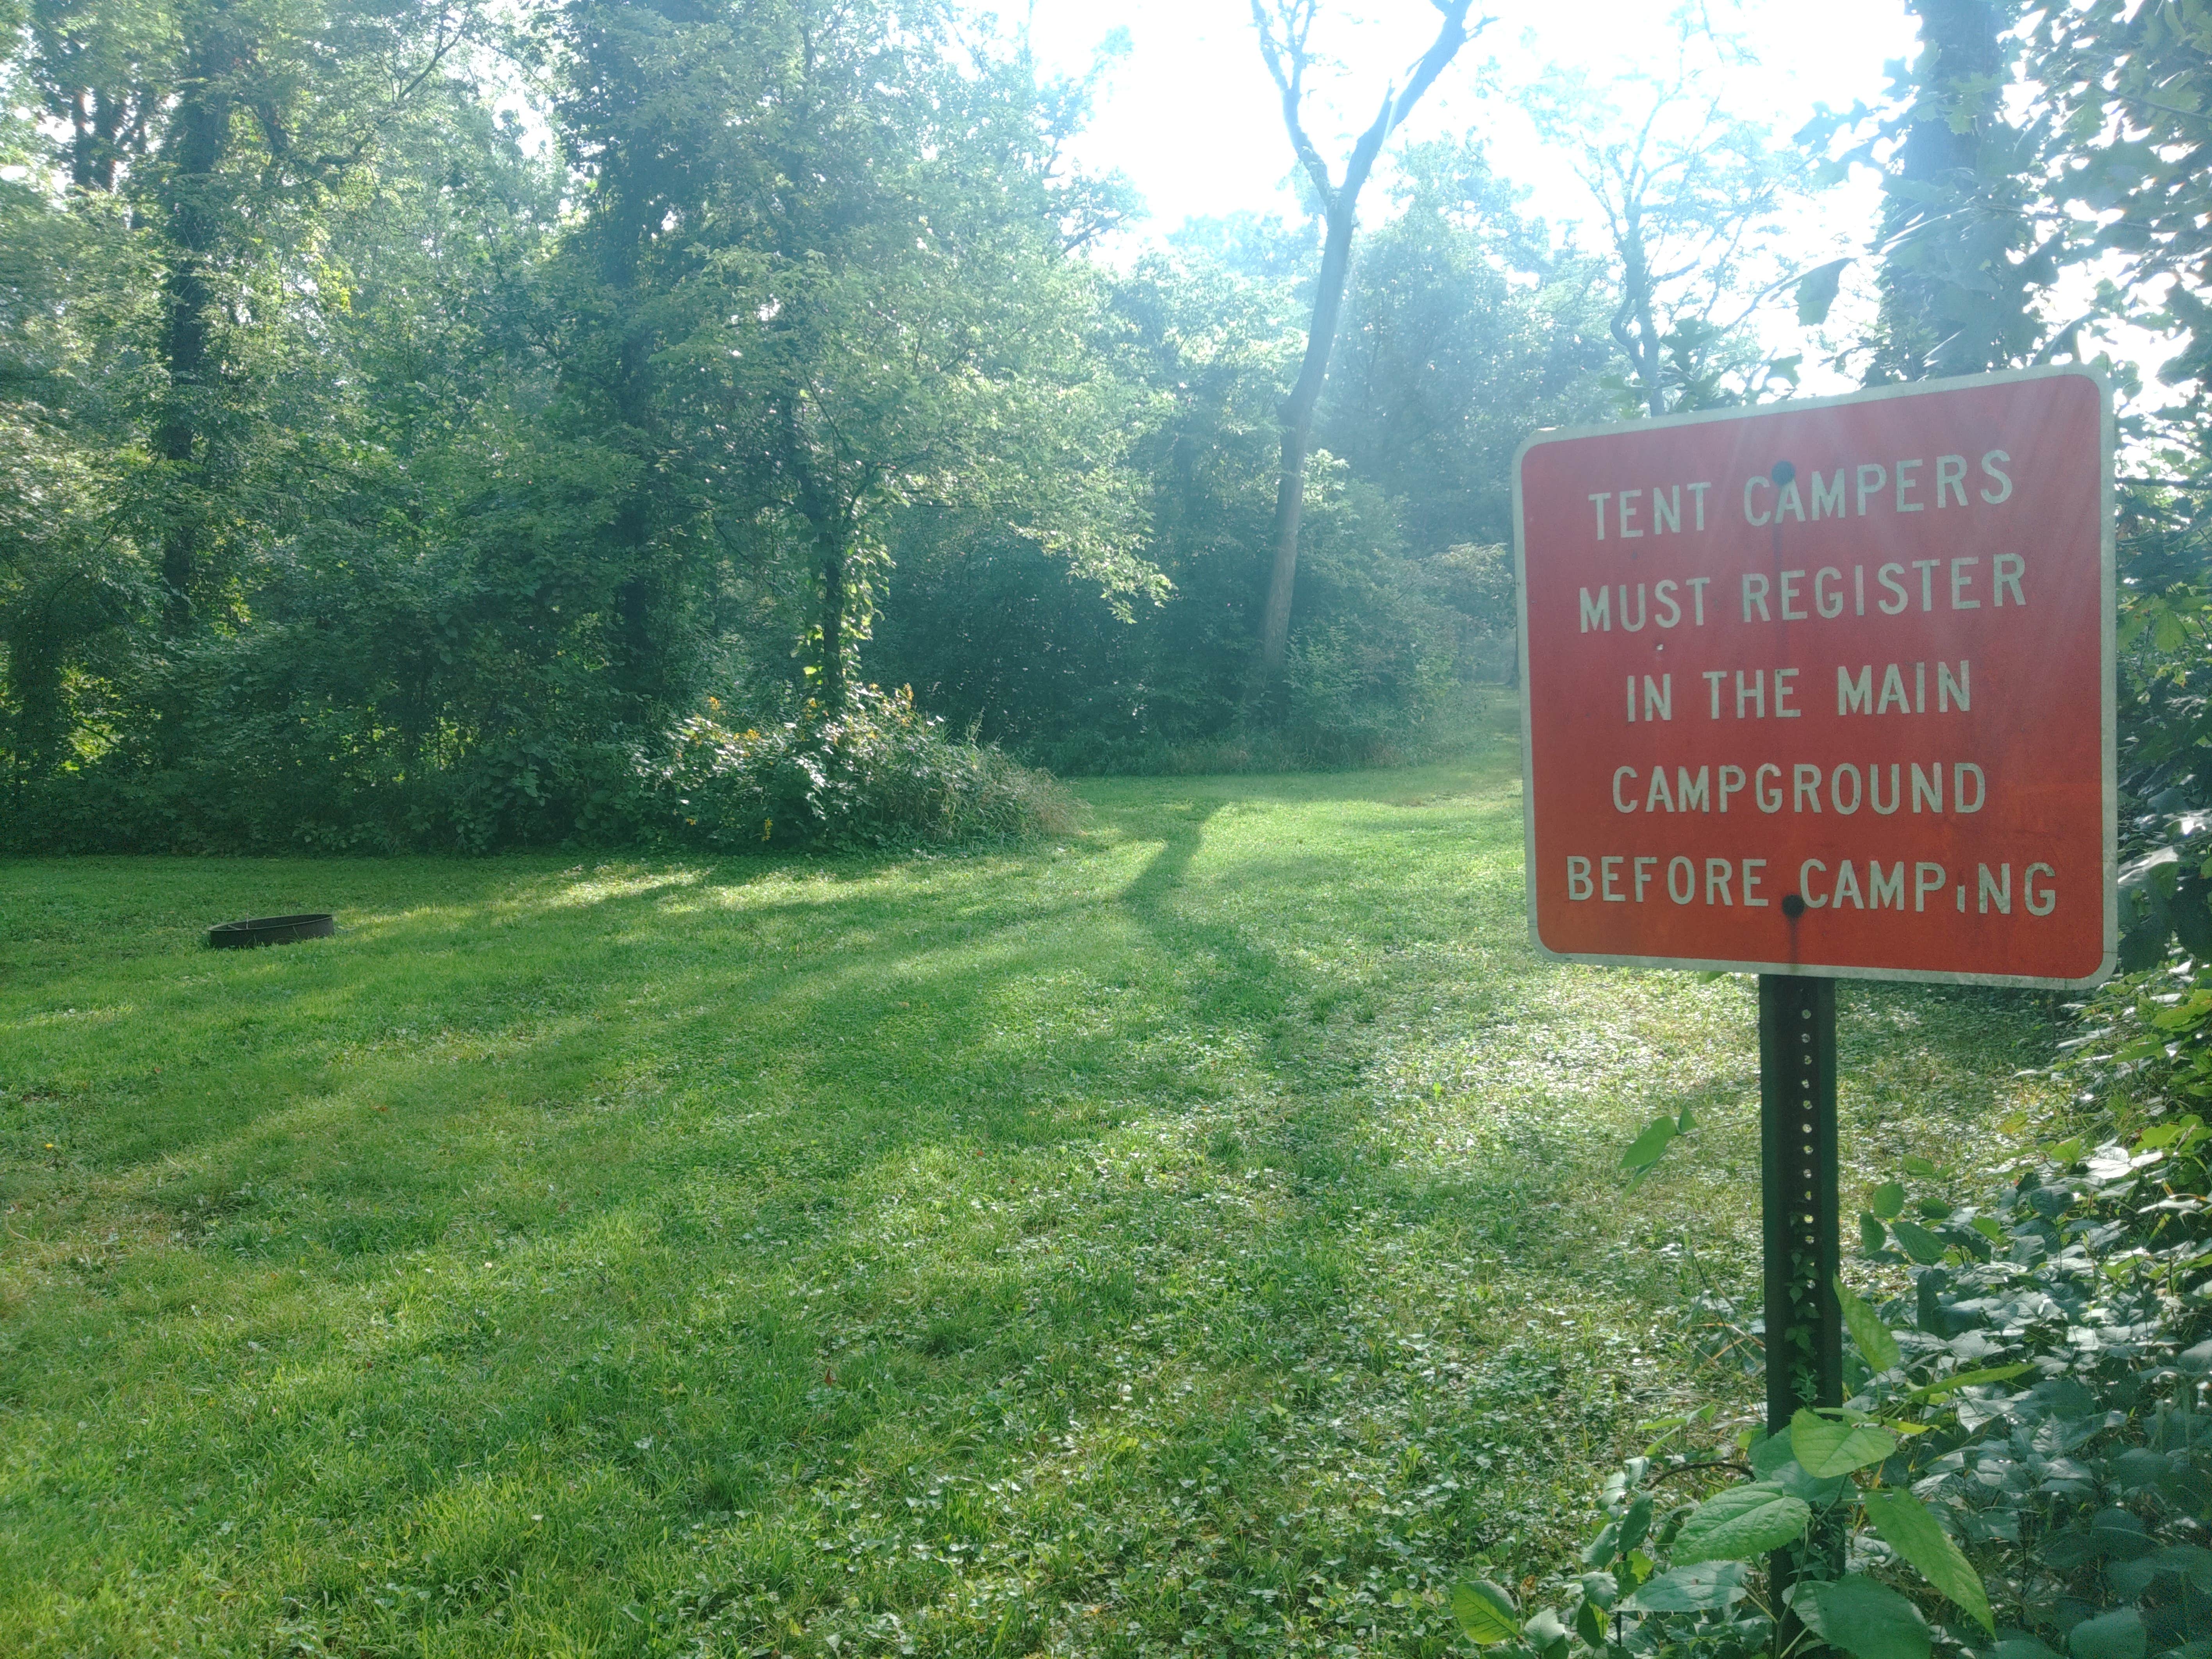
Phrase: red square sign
[1827,688]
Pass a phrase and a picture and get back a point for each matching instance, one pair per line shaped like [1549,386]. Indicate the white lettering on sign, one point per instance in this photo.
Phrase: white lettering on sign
[1693,589]
[1844,788]
[1627,517]
[1845,490]
[1855,883]
[1854,691]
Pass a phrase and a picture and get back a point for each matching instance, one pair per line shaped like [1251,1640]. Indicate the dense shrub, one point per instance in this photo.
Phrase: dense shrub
[880,774]
[2024,1466]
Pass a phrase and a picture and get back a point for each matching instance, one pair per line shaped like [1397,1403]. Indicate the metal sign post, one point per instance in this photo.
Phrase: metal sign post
[1797,1169]
[1797,1118]
[1820,690]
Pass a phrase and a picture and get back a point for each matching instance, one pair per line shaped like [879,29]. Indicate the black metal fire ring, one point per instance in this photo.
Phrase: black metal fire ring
[271,930]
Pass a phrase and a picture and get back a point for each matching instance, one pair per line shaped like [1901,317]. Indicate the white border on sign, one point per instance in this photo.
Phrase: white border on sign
[2105,646]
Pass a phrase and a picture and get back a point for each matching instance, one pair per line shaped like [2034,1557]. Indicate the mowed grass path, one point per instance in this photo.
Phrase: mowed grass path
[1203,1233]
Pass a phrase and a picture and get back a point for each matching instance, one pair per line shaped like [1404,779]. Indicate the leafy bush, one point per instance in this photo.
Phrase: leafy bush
[306,778]
[2165,724]
[249,758]
[879,774]
[2146,1042]
[2024,1465]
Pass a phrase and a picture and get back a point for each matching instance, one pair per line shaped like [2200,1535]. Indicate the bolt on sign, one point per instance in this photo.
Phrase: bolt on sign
[1827,688]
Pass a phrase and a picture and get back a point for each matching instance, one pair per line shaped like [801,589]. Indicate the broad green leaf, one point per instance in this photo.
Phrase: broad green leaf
[2023,1647]
[1636,1521]
[1792,1479]
[1770,1457]
[1920,1244]
[2110,1636]
[1604,1547]
[1547,1633]
[1968,1379]
[1589,1624]
[1866,1329]
[1645,1150]
[1816,291]
[1908,1526]
[1741,1523]
[1690,1589]
[1888,1199]
[1916,1165]
[1872,1234]
[2142,946]
[1825,1449]
[1864,1619]
[1484,1612]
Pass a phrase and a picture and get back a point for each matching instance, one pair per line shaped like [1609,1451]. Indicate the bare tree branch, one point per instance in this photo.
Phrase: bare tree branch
[1286,65]
[1288,56]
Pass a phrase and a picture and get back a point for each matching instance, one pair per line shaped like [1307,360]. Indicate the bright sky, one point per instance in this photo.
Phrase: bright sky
[1192,118]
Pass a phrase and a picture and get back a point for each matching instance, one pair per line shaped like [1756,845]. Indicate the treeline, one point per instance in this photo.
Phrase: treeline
[382,470]
[460,426]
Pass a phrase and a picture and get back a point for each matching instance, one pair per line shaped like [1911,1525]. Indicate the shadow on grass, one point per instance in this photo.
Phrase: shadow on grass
[620,1199]
[948,1001]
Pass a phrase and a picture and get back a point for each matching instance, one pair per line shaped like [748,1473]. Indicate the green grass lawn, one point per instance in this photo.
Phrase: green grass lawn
[1200,1233]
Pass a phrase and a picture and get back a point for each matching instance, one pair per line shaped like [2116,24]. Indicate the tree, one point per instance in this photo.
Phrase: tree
[229,126]
[1962,255]
[860,299]
[1034,656]
[68,580]
[1463,331]
[1458,332]
[372,478]
[225,326]
[2125,114]
[2115,133]
[1286,30]
[1691,200]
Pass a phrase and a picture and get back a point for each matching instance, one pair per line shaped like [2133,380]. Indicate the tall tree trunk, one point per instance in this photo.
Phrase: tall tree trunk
[102,125]
[1298,416]
[1932,324]
[830,525]
[1638,269]
[201,131]
[833,688]
[1634,328]
[1287,58]
[34,674]
[640,651]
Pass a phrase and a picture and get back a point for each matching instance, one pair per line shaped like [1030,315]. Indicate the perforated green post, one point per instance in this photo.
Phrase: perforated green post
[1797,1112]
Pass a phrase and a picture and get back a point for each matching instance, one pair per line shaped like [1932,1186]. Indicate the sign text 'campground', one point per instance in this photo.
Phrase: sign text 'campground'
[1827,687]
